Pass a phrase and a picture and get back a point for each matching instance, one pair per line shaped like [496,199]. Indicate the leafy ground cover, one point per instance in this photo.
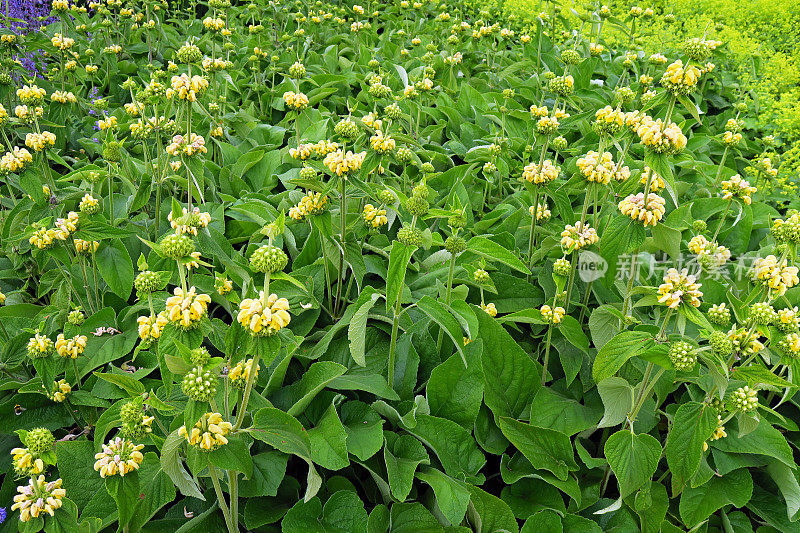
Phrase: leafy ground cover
[400,267]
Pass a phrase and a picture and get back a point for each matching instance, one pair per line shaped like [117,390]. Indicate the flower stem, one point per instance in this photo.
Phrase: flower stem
[212,470]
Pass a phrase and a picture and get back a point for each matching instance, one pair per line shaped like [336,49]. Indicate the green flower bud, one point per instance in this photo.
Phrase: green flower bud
[199,384]
[146,282]
[562,267]
[39,441]
[393,111]
[386,196]
[683,355]
[457,221]
[403,154]
[297,70]
[455,244]
[559,143]
[268,258]
[720,344]
[719,314]
[176,247]
[199,356]
[308,173]
[699,226]
[417,205]
[410,236]
[481,276]
[76,317]
[570,57]
[762,314]
[427,168]
[744,399]
[112,151]
[347,129]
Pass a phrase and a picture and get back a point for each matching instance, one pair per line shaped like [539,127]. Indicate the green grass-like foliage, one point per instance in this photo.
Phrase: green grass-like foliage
[398,267]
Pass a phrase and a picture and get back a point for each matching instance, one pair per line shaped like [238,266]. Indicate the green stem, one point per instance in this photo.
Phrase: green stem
[212,470]
[393,342]
[546,354]
[722,220]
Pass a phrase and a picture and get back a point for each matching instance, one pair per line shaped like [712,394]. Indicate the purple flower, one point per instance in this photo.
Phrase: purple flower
[2,514]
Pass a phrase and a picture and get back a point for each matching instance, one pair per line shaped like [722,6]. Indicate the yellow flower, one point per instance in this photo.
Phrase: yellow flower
[490,309]
[313,203]
[264,316]
[679,287]
[208,433]
[737,187]
[40,141]
[679,79]
[25,462]
[107,123]
[296,101]
[657,135]
[374,217]
[64,97]
[118,457]
[598,168]
[576,237]
[547,173]
[340,163]
[187,88]
[31,94]
[381,143]
[708,251]
[61,389]
[240,373]
[150,327]
[38,497]
[649,213]
[774,273]
[744,343]
[552,315]
[542,213]
[71,348]
[187,309]
[86,247]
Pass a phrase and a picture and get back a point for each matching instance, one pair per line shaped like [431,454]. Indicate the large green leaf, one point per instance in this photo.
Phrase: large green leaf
[632,458]
[692,425]
[546,449]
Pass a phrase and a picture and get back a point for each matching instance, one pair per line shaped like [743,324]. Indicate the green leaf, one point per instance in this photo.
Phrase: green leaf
[284,432]
[546,449]
[329,441]
[173,467]
[269,469]
[617,351]
[396,275]
[364,428]
[402,455]
[495,252]
[453,445]
[454,391]
[697,504]
[125,491]
[129,384]
[490,514]
[233,456]
[357,331]
[617,396]
[75,466]
[437,312]
[452,496]
[756,374]
[343,512]
[562,413]
[158,491]
[115,265]
[511,378]
[632,458]
[692,425]
[413,518]
[763,440]
[314,379]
